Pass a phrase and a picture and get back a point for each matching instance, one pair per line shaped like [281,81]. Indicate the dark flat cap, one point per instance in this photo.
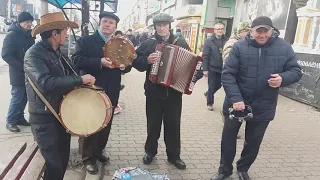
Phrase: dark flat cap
[262,22]
[110,15]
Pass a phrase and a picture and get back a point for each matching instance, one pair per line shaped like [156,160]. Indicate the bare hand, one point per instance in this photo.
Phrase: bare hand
[205,73]
[239,106]
[106,62]
[275,81]
[154,57]
[88,79]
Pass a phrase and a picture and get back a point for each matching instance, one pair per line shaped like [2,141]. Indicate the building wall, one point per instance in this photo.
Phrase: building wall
[3,7]
[231,4]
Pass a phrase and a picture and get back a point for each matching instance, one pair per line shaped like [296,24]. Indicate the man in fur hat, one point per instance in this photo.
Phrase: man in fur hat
[47,69]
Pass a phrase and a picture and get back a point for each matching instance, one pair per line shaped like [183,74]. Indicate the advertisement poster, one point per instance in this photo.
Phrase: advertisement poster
[277,10]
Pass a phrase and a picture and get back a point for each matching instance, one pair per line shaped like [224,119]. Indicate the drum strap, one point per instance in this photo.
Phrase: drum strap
[44,100]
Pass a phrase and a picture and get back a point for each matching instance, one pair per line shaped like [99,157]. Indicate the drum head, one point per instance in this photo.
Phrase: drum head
[120,51]
[85,111]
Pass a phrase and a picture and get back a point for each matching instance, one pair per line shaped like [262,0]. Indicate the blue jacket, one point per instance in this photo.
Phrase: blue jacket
[247,70]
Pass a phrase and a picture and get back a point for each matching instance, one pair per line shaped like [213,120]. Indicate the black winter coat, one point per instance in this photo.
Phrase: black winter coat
[87,58]
[247,70]
[42,66]
[141,64]
[212,56]
[15,45]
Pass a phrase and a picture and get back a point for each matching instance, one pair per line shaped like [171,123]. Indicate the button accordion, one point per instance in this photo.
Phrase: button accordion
[177,68]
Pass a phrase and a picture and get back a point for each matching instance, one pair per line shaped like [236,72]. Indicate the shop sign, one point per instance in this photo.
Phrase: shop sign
[193,38]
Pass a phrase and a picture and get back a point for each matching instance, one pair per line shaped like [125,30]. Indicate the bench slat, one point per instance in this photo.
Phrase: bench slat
[22,163]
[35,168]
[8,160]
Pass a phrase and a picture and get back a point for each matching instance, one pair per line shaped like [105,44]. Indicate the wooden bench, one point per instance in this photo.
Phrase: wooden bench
[22,162]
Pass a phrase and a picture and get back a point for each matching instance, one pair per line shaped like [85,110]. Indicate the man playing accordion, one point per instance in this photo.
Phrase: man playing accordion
[162,103]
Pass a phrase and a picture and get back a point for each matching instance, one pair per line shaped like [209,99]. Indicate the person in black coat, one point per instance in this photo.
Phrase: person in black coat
[255,69]
[143,37]
[212,62]
[162,103]
[89,58]
[131,37]
[15,45]
[49,72]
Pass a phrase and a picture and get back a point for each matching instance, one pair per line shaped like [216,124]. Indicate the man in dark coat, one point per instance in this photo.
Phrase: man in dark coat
[89,58]
[49,72]
[212,62]
[162,103]
[15,45]
[255,69]
[131,37]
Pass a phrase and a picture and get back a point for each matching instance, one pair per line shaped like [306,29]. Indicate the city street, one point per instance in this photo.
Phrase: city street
[290,150]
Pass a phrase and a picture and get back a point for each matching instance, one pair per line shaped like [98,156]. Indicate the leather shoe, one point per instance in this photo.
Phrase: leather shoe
[92,168]
[243,176]
[178,163]
[219,176]
[23,122]
[12,128]
[103,159]
[147,158]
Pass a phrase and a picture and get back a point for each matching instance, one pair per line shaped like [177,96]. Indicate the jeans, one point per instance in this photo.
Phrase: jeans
[17,104]
[214,83]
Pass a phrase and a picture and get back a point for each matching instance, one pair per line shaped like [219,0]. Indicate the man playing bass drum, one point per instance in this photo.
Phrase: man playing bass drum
[162,103]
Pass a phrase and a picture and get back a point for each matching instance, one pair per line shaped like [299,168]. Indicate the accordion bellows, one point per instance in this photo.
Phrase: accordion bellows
[177,68]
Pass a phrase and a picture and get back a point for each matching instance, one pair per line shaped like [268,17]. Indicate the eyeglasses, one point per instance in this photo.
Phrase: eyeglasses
[219,29]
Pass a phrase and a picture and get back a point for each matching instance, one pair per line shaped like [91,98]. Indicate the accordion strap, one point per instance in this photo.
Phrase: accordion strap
[44,100]
[175,40]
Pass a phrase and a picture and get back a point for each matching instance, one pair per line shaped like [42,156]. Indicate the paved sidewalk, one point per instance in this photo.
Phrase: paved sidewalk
[290,149]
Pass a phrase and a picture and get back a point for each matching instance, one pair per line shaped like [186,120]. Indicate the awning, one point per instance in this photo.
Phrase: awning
[62,3]
[111,3]
[175,23]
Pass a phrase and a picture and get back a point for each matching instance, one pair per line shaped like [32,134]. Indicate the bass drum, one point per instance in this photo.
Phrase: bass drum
[85,111]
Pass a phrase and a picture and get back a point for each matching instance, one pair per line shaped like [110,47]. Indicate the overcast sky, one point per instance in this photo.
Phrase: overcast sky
[124,8]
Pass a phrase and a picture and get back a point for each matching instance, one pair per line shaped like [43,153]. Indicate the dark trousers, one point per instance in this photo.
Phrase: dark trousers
[214,84]
[92,146]
[254,133]
[167,110]
[54,145]
[17,104]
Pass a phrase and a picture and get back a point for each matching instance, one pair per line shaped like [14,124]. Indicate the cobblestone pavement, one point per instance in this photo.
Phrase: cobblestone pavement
[290,149]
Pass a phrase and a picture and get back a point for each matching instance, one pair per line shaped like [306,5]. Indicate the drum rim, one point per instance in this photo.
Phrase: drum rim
[105,119]
[133,51]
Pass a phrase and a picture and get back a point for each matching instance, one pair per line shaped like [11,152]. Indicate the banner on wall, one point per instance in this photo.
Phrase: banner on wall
[307,90]
[277,10]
